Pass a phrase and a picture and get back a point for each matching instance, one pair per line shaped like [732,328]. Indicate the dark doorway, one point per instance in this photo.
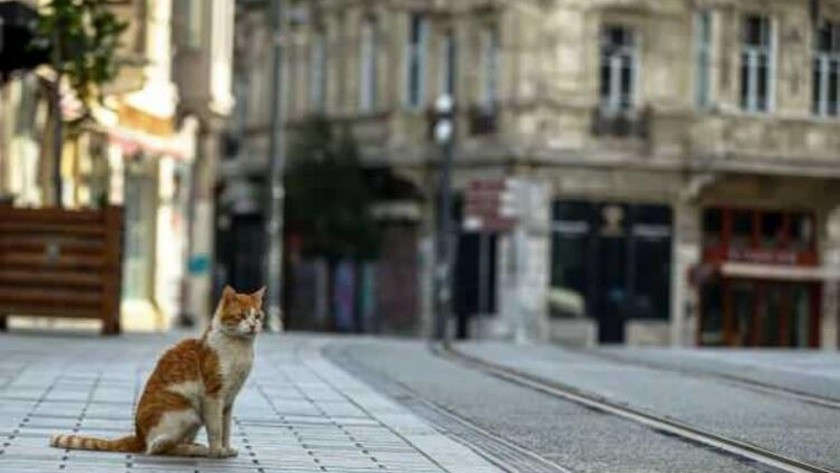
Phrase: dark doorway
[612,260]
[474,279]
[246,256]
[617,257]
[757,313]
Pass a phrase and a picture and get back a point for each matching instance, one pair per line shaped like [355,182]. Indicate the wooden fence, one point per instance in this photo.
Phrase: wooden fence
[61,263]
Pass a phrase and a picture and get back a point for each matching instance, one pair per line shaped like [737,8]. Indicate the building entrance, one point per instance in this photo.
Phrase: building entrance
[765,288]
[754,313]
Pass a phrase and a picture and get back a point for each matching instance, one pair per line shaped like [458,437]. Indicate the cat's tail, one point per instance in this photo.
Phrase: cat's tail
[127,444]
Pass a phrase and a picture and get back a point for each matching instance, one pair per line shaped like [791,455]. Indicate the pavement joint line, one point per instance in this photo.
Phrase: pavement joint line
[37,403]
[653,421]
[319,350]
[319,407]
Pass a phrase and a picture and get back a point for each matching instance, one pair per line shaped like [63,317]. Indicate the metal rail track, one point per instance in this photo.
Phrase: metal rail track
[670,426]
[733,380]
[501,452]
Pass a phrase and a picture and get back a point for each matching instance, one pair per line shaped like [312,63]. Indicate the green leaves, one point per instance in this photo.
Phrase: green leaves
[328,200]
[84,35]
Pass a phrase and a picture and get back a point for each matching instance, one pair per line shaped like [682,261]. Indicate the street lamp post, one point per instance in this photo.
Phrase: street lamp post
[55,102]
[276,158]
[444,137]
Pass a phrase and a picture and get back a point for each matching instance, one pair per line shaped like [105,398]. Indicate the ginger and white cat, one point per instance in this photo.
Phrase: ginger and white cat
[194,383]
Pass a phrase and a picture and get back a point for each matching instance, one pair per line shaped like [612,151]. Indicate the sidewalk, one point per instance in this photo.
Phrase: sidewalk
[298,412]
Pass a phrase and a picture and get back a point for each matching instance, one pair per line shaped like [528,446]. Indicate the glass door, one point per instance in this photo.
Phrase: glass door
[801,315]
[140,228]
[770,315]
[712,318]
[742,315]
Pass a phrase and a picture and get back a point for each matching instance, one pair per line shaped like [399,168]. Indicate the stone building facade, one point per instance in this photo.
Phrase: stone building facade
[689,152]
[140,150]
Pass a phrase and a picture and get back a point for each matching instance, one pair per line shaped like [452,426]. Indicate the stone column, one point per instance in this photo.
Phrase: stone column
[198,290]
[524,265]
[686,255]
[829,254]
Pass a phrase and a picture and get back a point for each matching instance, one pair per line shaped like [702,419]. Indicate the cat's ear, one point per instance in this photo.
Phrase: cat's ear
[259,294]
[228,294]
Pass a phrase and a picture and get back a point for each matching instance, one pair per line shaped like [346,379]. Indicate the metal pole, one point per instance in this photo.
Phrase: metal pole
[56,110]
[483,281]
[443,271]
[276,158]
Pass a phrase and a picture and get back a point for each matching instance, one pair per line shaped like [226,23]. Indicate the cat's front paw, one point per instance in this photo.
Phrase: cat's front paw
[229,452]
[216,452]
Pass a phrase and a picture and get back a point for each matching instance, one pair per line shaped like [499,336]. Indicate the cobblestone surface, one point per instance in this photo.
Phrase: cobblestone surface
[578,439]
[799,430]
[298,412]
[809,371]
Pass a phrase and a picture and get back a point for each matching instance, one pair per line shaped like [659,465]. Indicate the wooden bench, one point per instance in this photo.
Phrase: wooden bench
[61,263]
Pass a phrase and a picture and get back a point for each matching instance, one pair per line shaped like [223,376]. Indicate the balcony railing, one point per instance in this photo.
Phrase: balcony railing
[483,120]
[633,123]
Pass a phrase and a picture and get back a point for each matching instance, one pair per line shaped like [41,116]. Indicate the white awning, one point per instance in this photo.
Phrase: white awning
[776,272]
[131,141]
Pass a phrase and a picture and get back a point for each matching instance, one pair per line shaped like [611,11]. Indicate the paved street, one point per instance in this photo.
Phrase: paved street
[794,428]
[298,413]
[361,404]
[577,438]
[808,371]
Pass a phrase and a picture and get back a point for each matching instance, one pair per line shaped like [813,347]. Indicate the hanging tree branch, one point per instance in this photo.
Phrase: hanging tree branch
[84,35]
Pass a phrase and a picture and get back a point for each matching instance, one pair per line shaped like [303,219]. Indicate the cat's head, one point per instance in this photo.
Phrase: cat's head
[240,315]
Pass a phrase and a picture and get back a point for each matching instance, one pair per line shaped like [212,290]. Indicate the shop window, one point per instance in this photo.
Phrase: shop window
[770,308]
[772,229]
[743,296]
[140,223]
[567,297]
[570,258]
[651,256]
[801,232]
[651,278]
[712,228]
[711,326]
[742,228]
[800,326]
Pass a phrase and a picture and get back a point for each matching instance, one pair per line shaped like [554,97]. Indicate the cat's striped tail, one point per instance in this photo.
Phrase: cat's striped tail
[127,444]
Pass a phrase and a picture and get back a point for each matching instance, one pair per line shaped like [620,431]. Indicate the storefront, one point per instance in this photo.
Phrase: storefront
[150,165]
[611,261]
[760,280]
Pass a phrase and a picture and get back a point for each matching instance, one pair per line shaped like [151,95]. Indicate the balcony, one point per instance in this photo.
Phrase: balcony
[483,120]
[633,123]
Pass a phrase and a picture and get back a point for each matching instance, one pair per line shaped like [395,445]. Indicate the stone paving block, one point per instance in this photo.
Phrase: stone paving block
[297,413]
